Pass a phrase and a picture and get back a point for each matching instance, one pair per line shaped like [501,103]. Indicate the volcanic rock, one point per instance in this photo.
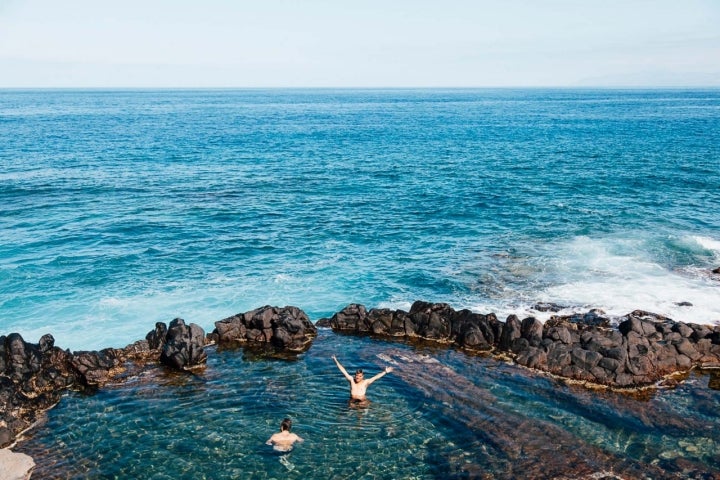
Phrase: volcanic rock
[642,350]
[287,328]
[183,345]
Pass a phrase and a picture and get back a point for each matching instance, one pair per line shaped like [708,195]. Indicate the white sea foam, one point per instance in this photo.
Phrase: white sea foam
[617,275]
[282,278]
[396,305]
[111,301]
[708,244]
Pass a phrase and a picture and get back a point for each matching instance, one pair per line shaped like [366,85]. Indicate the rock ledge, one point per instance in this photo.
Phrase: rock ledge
[643,350]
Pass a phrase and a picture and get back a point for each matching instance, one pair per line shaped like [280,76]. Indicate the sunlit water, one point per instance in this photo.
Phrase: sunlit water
[119,209]
[440,414]
[122,208]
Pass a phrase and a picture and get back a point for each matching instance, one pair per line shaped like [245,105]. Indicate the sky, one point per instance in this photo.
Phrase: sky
[363,43]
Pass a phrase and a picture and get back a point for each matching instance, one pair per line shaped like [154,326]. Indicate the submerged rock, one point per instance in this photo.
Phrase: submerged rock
[642,350]
[548,307]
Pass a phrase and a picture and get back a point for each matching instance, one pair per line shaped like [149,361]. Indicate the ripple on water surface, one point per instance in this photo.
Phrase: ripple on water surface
[440,414]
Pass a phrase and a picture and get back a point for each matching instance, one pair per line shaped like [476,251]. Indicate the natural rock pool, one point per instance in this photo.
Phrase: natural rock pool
[439,414]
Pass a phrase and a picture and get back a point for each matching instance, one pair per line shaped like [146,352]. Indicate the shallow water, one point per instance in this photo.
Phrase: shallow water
[440,414]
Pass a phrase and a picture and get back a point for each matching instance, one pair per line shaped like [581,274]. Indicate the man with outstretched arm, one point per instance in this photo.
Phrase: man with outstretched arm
[358,383]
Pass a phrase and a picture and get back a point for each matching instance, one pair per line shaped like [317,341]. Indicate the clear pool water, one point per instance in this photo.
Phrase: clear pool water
[440,414]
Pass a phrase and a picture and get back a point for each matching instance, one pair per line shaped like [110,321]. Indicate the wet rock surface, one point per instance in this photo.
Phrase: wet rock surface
[286,328]
[182,348]
[642,350]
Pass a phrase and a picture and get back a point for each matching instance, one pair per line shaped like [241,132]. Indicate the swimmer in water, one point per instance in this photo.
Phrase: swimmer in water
[358,382]
[284,440]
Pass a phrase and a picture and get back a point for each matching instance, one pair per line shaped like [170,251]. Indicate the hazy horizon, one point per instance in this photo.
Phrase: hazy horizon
[324,44]
[110,88]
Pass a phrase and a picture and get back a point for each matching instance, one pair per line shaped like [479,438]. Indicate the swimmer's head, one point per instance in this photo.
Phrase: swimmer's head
[358,375]
[286,425]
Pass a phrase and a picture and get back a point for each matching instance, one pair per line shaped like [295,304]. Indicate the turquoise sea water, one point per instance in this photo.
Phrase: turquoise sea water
[122,208]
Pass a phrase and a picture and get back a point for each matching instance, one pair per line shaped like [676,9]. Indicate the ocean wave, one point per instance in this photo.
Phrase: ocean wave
[708,243]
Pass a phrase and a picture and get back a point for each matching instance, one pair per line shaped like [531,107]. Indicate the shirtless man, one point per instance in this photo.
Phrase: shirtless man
[358,383]
[283,441]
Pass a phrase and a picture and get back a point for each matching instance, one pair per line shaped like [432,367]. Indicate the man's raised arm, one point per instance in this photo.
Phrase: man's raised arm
[381,374]
[342,369]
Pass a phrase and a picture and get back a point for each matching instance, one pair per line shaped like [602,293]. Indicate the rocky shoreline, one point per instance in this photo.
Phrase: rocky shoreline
[33,377]
[639,350]
[642,350]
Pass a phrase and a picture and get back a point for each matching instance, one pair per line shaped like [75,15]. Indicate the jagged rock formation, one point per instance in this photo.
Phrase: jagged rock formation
[287,328]
[641,350]
[183,346]
[644,349]
[34,376]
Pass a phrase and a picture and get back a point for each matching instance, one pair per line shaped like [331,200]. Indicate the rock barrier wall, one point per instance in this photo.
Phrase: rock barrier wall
[642,350]
[33,377]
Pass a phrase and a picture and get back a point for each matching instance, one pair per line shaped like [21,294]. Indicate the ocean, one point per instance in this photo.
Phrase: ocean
[122,208]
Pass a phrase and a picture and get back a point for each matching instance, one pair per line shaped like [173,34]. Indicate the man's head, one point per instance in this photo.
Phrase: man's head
[286,425]
[358,375]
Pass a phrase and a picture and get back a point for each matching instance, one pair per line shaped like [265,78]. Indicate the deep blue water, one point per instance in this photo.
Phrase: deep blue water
[122,208]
